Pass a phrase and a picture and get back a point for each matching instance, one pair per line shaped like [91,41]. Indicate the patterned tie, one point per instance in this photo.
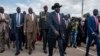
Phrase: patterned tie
[18,20]
[57,18]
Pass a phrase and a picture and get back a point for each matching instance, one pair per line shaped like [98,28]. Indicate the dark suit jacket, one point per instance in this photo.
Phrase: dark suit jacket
[54,25]
[14,21]
[91,25]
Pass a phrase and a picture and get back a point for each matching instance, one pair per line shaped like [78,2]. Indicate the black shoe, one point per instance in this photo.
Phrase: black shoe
[8,46]
[13,45]
[33,47]
[25,46]
[21,49]
[45,51]
[65,53]
[2,51]
[74,46]
[30,52]
[17,53]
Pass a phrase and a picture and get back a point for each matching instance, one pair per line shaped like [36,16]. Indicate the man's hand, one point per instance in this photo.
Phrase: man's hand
[2,20]
[94,34]
[24,32]
[63,35]
[56,32]
[99,35]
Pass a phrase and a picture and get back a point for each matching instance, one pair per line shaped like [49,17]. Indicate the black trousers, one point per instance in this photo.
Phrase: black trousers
[19,38]
[51,45]
[44,36]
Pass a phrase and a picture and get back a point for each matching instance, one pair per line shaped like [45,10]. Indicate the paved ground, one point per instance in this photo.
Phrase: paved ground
[80,51]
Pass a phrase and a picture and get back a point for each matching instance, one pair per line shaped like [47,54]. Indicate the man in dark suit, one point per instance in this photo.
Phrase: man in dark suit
[56,30]
[44,26]
[92,31]
[67,20]
[17,25]
[11,34]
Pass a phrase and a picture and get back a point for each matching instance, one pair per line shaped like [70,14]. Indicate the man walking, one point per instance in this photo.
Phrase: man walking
[56,30]
[30,29]
[44,26]
[4,30]
[17,26]
[92,31]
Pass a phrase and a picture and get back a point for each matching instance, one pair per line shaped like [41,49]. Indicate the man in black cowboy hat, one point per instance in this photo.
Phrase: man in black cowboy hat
[56,30]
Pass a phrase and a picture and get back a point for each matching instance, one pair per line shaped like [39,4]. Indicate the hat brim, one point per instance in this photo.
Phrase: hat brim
[53,7]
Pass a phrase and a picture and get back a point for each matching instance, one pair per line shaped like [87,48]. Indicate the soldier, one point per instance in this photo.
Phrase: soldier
[4,29]
[44,26]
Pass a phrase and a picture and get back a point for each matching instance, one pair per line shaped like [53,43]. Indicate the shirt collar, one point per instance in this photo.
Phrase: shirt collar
[18,13]
[95,16]
[31,14]
[56,13]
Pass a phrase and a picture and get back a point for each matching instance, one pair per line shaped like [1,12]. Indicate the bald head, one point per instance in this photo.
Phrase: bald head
[45,8]
[18,9]
[95,12]
[30,10]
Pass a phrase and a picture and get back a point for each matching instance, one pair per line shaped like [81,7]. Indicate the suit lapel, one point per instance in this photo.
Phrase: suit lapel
[94,20]
[20,18]
[15,17]
[60,19]
[55,18]
[30,18]
[0,16]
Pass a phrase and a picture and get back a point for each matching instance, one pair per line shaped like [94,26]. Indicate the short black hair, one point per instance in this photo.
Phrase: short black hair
[1,8]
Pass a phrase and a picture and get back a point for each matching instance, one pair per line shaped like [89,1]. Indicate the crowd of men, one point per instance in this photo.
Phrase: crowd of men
[54,28]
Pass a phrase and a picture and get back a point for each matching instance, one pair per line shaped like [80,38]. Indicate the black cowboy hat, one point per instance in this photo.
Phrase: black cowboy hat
[56,5]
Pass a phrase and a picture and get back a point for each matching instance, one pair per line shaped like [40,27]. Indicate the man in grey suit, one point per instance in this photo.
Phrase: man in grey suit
[44,26]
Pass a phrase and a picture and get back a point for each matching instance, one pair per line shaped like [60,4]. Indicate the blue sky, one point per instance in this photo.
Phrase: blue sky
[69,6]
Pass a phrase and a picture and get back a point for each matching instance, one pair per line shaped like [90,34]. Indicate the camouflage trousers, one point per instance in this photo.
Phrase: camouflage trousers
[4,39]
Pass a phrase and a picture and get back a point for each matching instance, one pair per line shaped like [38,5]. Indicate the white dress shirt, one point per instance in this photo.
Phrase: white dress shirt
[32,15]
[18,19]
